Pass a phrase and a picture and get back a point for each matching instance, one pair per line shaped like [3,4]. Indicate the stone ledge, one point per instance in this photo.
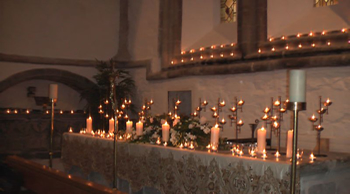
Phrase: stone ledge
[334,59]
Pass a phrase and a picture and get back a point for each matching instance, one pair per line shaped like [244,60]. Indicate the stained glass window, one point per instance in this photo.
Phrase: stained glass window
[228,10]
[323,3]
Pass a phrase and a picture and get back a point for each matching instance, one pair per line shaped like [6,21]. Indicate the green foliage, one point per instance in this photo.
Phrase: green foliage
[124,87]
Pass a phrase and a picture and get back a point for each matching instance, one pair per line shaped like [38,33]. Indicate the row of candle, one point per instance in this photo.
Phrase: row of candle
[27,111]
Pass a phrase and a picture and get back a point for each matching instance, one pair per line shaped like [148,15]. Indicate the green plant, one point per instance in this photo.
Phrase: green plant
[124,87]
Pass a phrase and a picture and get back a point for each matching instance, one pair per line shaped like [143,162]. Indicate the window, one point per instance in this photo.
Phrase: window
[228,10]
[323,3]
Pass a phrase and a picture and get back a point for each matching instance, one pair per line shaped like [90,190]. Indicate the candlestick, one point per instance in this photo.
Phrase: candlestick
[297,94]
[129,127]
[165,132]
[139,128]
[53,93]
[89,124]
[297,86]
[214,135]
[261,139]
[111,125]
[289,143]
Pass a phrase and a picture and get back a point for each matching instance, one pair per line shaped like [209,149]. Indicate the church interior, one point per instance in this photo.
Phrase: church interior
[174,96]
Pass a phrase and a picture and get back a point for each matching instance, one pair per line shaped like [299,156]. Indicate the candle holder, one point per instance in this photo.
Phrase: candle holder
[238,105]
[318,127]
[274,117]
[146,107]
[216,114]
[202,106]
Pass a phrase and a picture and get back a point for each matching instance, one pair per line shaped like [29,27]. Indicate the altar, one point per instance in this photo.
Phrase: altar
[175,170]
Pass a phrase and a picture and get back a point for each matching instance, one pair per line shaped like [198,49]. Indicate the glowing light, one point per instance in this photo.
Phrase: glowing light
[183,52]
[172,62]
[202,57]
[300,46]
[61,111]
[287,47]
[192,51]
[283,38]
[211,56]
[311,34]
[182,60]
[273,49]
[222,46]
[270,39]
[231,54]
[313,44]
[328,43]
[72,112]
[298,35]
[191,58]
[202,49]
[221,55]
[323,32]
[259,51]
[343,30]
[213,47]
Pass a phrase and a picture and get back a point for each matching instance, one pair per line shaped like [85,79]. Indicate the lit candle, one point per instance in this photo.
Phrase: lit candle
[89,124]
[312,157]
[129,126]
[181,146]
[53,91]
[165,132]
[264,156]
[214,135]
[111,125]
[297,86]
[289,144]
[277,154]
[70,130]
[158,141]
[139,128]
[261,139]
[191,146]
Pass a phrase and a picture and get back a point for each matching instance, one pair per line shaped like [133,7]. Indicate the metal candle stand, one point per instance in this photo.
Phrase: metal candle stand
[295,107]
[318,127]
[238,105]
[253,128]
[202,106]
[216,113]
[275,121]
[51,131]
[145,109]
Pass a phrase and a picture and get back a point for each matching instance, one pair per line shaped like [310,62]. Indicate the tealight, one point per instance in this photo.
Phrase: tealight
[70,130]
[158,141]
[277,154]
[181,146]
[264,156]
[191,146]
[165,144]
[312,157]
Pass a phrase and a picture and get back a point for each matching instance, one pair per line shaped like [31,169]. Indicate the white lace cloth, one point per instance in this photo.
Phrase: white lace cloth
[174,170]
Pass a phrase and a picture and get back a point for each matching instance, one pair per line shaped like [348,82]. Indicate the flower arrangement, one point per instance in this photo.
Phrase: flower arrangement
[182,131]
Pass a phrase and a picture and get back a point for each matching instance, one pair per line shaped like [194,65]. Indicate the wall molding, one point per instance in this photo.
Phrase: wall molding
[69,62]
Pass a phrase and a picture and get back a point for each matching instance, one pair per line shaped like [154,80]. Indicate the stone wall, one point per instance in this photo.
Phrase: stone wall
[257,89]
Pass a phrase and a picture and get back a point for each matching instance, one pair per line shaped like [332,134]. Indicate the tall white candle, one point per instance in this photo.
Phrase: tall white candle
[111,125]
[297,86]
[53,91]
[139,128]
[289,144]
[165,132]
[89,124]
[129,127]
[261,140]
[214,135]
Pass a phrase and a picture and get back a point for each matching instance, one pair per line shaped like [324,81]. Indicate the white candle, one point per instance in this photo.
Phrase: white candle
[111,125]
[165,132]
[289,144]
[214,135]
[53,91]
[139,128]
[89,124]
[297,86]
[129,126]
[261,140]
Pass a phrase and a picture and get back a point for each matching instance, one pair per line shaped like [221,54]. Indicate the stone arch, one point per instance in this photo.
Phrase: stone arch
[74,81]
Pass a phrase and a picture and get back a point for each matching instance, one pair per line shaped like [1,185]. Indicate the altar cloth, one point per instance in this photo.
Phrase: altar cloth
[174,170]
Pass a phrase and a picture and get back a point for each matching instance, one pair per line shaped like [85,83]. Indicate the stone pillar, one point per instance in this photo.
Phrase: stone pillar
[170,26]
[123,53]
[251,24]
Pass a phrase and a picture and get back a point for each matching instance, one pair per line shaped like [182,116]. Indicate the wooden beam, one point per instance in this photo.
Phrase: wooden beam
[42,180]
